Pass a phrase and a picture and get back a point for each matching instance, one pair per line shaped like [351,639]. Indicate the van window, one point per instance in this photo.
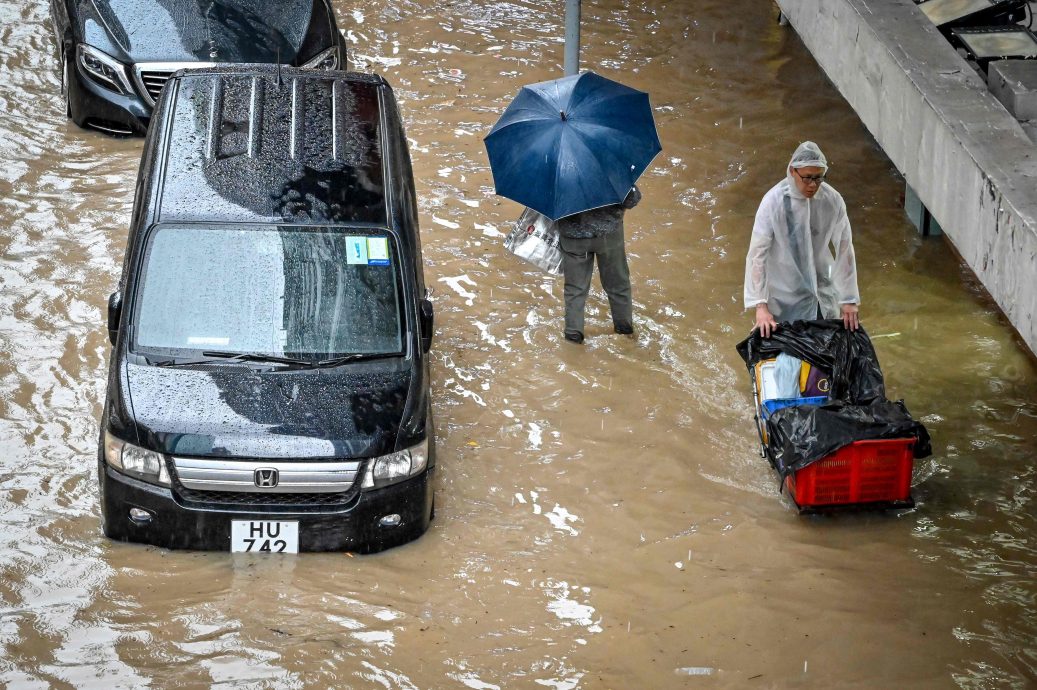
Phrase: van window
[286,291]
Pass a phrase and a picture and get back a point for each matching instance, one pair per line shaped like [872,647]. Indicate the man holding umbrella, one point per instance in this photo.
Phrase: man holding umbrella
[571,149]
[597,233]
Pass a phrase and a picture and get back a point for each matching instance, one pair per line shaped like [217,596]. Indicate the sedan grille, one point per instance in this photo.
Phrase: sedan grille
[153,83]
[152,76]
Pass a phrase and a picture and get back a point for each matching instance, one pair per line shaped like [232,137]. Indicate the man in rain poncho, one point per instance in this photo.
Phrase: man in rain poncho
[800,263]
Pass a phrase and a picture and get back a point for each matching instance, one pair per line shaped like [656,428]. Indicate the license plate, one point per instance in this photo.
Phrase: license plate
[264,536]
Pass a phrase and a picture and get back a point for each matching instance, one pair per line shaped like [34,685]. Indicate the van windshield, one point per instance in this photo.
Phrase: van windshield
[283,291]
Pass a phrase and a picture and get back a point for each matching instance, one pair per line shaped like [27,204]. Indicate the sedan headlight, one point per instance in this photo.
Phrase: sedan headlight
[103,69]
[395,467]
[135,461]
[326,59]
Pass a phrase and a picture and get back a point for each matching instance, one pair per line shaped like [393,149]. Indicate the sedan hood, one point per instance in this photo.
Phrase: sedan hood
[214,30]
[353,411]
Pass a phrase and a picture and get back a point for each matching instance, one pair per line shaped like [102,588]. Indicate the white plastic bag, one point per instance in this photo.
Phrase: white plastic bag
[535,239]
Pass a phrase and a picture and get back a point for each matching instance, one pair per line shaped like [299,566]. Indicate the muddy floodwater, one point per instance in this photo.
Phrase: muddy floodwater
[603,519]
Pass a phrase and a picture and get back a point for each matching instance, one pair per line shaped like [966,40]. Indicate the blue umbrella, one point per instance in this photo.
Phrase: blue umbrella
[572,144]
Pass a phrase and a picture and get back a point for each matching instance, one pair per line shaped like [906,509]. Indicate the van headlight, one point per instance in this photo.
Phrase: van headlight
[325,59]
[103,69]
[395,467]
[135,461]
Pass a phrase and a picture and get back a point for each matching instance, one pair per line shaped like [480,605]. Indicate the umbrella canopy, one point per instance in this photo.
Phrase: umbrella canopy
[572,144]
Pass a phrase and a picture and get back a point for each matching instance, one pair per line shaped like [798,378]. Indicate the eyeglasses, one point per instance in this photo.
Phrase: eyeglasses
[809,179]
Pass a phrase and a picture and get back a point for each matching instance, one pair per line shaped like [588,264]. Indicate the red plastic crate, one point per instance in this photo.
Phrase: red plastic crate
[862,472]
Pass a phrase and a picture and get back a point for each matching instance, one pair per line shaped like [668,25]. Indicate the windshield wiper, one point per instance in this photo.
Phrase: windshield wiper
[180,363]
[210,356]
[354,357]
[253,357]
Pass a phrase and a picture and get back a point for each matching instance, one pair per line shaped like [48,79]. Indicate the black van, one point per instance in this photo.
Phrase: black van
[269,379]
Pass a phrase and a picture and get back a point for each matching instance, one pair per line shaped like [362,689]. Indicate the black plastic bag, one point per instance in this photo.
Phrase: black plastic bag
[799,436]
[848,355]
[858,409]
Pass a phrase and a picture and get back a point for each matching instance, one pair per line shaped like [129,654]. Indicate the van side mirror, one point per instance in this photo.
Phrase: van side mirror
[426,325]
[114,315]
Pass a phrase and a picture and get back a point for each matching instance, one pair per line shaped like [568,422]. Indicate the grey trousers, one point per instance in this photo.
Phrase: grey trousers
[578,268]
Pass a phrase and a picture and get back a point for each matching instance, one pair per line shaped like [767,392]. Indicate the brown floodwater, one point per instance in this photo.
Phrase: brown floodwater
[603,519]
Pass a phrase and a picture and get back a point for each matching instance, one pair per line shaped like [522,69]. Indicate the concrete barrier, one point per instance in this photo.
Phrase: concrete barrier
[967,158]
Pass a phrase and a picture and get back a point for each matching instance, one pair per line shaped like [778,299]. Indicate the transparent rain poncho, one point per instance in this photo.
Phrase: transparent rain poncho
[801,252]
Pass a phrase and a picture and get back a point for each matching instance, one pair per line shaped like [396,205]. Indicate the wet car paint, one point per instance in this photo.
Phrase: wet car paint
[352,411]
[179,31]
[248,410]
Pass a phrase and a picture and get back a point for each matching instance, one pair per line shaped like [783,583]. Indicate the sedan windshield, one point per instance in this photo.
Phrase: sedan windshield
[282,291]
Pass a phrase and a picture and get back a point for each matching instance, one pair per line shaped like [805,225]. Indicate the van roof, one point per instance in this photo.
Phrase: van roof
[266,143]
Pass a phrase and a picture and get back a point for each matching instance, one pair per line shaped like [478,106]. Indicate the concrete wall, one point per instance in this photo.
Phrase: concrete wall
[969,160]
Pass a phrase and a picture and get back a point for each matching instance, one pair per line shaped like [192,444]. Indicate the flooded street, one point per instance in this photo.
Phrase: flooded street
[603,519]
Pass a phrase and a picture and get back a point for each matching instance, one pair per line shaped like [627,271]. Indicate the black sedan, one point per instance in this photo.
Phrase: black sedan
[117,54]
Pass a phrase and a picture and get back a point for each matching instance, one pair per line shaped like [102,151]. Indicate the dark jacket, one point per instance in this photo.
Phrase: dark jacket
[599,221]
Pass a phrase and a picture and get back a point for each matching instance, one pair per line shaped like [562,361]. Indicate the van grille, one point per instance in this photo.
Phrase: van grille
[254,500]
[234,482]
[290,477]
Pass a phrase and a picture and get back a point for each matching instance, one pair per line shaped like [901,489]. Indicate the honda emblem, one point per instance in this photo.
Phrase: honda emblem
[266,477]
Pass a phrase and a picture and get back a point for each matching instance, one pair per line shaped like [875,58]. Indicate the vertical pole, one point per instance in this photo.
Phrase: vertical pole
[572,37]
